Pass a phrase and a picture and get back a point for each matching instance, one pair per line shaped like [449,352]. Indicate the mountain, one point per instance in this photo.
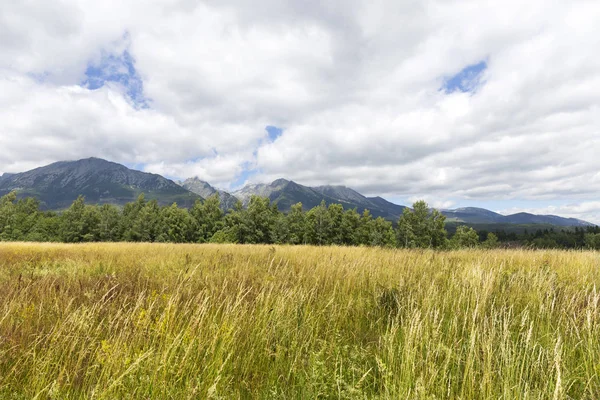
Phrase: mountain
[205,190]
[526,218]
[287,193]
[100,181]
[473,215]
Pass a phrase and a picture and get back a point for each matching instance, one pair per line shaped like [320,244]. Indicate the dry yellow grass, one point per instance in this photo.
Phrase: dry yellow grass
[228,321]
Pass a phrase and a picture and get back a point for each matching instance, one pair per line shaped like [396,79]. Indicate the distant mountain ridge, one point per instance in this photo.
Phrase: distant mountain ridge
[474,215]
[205,190]
[100,181]
[287,193]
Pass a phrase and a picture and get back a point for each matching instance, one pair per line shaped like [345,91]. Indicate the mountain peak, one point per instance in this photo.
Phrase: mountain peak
[280,182]
[98,180]
[205,190]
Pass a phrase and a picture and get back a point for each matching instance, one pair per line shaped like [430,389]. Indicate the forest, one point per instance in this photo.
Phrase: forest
[262,223]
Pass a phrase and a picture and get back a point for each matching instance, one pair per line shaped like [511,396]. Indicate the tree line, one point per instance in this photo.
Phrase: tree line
[260,222]
[551,238]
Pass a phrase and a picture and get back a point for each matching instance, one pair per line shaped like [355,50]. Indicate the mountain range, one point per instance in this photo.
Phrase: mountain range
[100,181]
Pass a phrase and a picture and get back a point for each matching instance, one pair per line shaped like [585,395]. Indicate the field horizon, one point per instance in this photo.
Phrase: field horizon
[190,321]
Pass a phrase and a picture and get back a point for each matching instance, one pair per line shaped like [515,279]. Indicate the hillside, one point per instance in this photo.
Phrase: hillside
[476,216]
[205,190]
[287,193]
[100,181]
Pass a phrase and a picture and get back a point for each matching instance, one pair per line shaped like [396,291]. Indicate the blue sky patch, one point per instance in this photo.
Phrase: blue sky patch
[119,68]
[246,173]
[274,132]
[467,80]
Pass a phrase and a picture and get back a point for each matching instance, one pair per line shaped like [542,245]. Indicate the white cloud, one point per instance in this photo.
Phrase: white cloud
[355,85]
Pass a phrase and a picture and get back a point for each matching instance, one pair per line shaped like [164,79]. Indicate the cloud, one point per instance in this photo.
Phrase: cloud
[356,84]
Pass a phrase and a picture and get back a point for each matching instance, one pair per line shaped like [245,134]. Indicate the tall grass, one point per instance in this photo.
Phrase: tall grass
[108,321]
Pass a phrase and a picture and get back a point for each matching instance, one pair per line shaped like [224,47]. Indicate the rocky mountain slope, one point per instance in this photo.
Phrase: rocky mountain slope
[205,190]
[100,181]
[286,193]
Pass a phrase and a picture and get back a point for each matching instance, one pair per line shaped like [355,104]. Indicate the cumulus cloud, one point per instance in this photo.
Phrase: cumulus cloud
[360,88]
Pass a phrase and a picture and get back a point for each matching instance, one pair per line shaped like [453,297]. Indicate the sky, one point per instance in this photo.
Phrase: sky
[458,102]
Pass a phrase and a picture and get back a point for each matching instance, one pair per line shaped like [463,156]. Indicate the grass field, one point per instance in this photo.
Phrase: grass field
[224,321]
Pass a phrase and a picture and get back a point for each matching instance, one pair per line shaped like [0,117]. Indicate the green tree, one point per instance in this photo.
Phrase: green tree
[109,228]
[421,227]
[145,225]
[592,241]
[232,232]
[46,229]
[491,241]
[26,215]
[381,233]
[317,225]
[280,233]
[335,216]
[74,222]
[176,225]
[259,220]
[91,224]
[465,237]
[350,227]
[18,217]
[406,236]
[208,218]
[8,216]
[296,223]
[363,235]
[128,218]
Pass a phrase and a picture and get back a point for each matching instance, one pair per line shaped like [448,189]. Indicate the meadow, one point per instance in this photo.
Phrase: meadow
[164,321]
